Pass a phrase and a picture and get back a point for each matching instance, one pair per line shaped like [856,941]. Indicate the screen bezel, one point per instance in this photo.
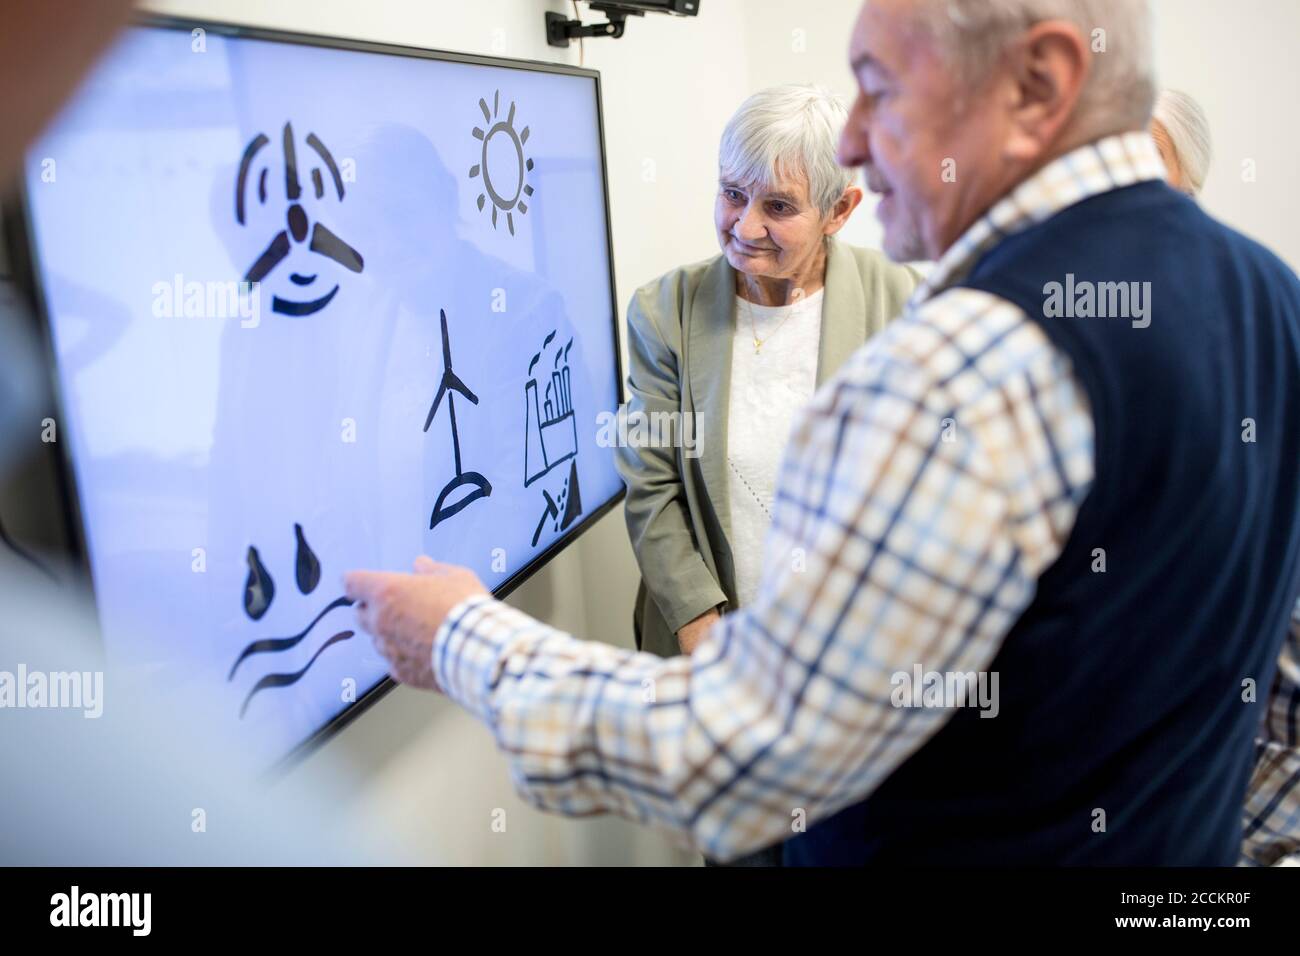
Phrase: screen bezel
[25,265]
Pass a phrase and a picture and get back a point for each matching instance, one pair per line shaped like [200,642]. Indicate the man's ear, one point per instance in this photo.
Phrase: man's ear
[1049,68]
[842,209]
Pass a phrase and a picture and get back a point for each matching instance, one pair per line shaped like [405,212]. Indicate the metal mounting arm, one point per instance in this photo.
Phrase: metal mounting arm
[560,30]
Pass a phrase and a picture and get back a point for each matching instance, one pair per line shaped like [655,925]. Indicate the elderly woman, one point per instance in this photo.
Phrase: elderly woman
[736,344]
[1182,134]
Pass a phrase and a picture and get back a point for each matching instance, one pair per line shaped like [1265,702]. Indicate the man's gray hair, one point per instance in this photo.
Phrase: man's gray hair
[791,130]
[1121,88]
[1189,132]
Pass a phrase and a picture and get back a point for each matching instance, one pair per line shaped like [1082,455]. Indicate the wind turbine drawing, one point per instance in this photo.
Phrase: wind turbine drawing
[292,242]
[452,498]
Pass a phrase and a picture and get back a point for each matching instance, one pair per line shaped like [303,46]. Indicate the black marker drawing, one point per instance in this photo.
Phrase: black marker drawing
[504,166]
[570,501]
[551,430]
[269,645]
[570,498]
[259,589]
[299,227]
[475,484]
[551,437]
[287,680]
[549,514]
[259,592]
[306,564]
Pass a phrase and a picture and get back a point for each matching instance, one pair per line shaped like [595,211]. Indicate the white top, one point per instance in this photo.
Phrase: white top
[767,387]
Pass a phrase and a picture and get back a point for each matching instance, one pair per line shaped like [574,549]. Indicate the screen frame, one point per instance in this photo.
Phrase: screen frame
[26,270]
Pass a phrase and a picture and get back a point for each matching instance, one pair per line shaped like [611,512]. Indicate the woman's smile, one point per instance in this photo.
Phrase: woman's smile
[745,249]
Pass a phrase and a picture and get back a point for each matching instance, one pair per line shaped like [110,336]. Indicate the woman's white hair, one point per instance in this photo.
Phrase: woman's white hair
[787,131]
[1121,88]
[1189,132]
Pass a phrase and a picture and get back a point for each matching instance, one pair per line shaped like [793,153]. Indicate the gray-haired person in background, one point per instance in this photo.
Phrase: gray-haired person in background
[736,345]
[1182,135]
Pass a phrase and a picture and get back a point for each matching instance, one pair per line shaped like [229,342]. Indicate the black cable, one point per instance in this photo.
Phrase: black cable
[26,555]
[582,51]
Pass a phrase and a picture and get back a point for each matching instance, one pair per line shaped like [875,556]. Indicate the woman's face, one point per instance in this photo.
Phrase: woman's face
[774,231]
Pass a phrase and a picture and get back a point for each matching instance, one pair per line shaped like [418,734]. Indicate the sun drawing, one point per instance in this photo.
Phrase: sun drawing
[503,165]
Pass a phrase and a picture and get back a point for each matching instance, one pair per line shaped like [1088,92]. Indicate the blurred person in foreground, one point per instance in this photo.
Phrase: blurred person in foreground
[1024,501]
[115,780]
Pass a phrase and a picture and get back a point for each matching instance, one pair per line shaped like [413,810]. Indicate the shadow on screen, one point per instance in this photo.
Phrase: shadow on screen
[287,385]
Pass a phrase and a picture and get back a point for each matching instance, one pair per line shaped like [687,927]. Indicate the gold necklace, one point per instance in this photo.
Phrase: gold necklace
[753,330]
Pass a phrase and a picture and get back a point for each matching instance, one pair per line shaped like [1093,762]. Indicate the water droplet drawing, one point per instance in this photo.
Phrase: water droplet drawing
[306,564]
[259,589]
[259,592]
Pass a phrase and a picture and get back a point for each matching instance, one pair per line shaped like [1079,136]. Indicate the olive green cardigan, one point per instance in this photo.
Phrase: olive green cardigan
[679,333]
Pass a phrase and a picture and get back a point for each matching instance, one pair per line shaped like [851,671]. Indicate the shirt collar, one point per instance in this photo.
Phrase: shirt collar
[1112,162]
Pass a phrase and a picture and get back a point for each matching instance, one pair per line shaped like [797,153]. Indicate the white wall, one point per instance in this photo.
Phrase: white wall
[1238,59]
[669,86]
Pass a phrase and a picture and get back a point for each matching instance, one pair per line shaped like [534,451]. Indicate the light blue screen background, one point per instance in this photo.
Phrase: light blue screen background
[194,438]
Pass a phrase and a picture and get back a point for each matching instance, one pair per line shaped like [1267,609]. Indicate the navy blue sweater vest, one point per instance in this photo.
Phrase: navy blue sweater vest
[1121,691]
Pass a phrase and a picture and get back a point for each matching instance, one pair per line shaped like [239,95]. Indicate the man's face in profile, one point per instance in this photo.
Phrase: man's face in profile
[927,144]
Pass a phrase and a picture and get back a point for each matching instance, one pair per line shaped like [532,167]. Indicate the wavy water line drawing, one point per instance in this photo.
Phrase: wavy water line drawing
[268,644]
[288,679]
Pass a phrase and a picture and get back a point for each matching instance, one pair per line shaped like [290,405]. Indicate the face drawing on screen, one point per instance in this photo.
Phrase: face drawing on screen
[300,236]
[259,592]
[465,486]
[551,436]
[502,164]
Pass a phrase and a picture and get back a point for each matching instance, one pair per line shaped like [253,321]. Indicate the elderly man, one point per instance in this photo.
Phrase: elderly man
[1030,479]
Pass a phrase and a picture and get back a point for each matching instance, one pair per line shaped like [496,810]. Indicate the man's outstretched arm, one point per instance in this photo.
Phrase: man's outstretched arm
[923,492]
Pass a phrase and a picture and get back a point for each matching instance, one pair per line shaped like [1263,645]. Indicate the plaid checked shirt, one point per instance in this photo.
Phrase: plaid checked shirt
[1273,798]
[891,545]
